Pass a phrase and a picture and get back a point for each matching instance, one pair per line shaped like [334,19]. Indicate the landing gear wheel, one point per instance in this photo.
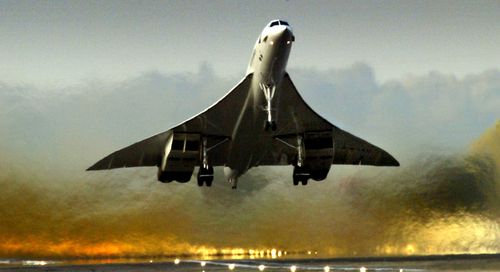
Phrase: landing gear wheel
[205,176]
[270,125]
[300,175]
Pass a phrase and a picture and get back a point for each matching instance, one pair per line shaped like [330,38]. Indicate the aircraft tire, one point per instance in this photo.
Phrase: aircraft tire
[273,126]
[270,126]
[206,176]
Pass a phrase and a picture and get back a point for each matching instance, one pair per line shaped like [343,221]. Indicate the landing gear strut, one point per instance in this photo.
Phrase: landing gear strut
[300,173]
[206,172]
[269,90]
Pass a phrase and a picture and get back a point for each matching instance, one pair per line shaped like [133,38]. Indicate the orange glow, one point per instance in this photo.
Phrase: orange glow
[119,249]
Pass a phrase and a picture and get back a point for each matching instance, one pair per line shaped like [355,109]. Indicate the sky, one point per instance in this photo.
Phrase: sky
[81,79]
[65,42]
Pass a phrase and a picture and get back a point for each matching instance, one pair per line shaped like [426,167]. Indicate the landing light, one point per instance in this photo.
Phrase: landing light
[231,266]
[271,42]
[326,268]
[293,268]
[203,264]
[287,42]
[262,267]
[177,261]
[362,269]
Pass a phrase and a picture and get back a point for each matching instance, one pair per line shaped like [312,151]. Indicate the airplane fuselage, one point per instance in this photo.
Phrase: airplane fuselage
[250,141]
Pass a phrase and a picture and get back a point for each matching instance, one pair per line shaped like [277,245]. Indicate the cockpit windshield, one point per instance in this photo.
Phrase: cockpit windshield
[278,22]
[284,23]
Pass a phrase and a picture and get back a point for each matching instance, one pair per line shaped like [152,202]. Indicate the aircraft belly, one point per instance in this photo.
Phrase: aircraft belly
[250,142]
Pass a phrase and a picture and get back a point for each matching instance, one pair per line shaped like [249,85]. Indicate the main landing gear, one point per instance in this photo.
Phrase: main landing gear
[300,175]
[269,90]
[205,176]
[206,172]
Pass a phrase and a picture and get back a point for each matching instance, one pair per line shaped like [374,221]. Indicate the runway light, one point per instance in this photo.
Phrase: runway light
[262,267]
[362,269]
[231,266]
[177,261]
[273,253]
[293,268]
[326,268]
[203,263]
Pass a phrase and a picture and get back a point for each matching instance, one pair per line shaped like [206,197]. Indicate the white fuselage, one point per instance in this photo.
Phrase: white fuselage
[250,141]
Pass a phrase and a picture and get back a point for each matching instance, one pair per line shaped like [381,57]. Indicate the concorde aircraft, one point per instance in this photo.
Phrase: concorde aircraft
[263,120]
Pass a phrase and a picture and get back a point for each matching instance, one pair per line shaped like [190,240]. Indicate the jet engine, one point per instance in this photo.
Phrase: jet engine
[181,155]
[314,157]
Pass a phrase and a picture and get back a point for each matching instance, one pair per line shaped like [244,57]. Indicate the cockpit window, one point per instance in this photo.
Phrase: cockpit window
[284,23]
[278,22]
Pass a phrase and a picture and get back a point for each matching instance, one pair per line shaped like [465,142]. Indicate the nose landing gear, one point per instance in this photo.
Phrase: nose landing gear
[269,90]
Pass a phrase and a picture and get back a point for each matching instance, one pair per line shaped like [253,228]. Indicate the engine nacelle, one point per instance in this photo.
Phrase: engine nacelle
[169,176]
[318,158]
[181,155]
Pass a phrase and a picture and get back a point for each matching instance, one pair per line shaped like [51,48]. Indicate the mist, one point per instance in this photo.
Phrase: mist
[444,198]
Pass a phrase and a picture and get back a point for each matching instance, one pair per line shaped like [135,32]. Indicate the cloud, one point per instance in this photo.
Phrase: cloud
[438,202]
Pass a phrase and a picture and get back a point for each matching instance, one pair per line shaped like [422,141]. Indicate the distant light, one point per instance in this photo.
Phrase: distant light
[362,269]
[150,261]
[315,253]
[401,270]
[262,267]
[42,263]
[231,266]
[203,263]
[309,252]
[293,268]
[326,268]
[177,261]
[273,253]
